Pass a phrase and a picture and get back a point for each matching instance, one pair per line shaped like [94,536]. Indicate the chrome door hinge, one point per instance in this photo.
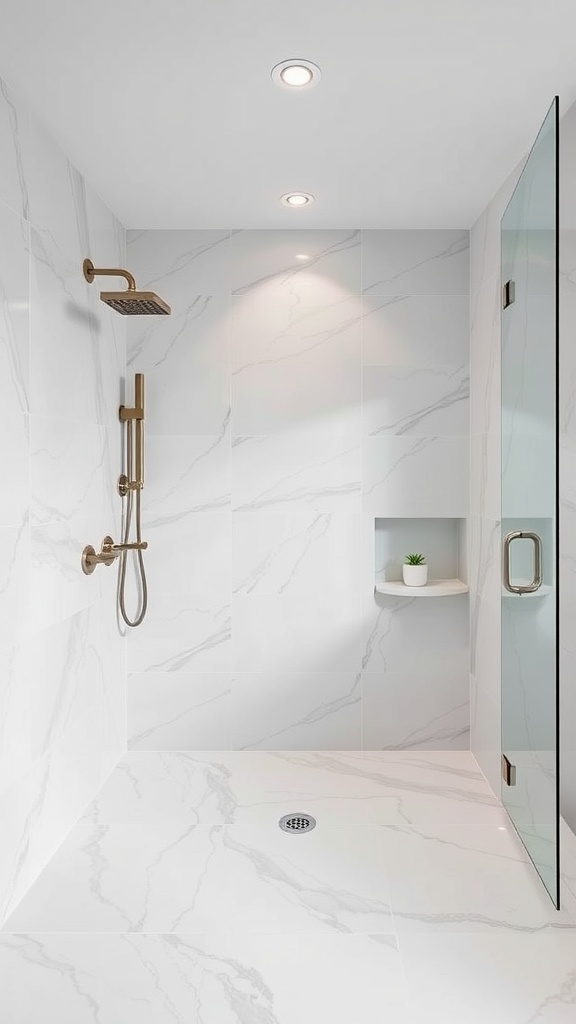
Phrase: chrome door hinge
[508,294]
[508,771]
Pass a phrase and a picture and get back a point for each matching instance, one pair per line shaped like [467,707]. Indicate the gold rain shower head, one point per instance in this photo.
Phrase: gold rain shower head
[129,302]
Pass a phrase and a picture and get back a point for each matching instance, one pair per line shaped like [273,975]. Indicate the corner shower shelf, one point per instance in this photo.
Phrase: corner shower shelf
[434,588]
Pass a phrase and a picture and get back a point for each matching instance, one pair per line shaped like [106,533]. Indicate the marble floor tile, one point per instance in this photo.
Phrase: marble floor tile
[177,900]
[193,979]
[178,877]
[338,787]
[465,878]
[496,978]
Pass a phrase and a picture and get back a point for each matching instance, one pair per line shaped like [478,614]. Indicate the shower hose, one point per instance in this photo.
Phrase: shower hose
[140,570]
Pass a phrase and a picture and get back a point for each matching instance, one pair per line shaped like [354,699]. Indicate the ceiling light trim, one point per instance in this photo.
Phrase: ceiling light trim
[297,200]
[280,70]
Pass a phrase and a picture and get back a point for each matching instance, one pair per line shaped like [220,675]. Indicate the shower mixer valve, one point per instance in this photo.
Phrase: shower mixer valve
[108,552]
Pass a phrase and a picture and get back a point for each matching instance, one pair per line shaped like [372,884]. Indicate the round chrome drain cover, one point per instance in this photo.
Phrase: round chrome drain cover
[297,822]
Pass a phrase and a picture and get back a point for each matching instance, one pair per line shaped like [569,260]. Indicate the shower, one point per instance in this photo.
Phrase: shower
[129,302]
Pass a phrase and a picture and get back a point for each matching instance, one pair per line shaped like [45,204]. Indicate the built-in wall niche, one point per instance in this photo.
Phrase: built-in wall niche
[442,541]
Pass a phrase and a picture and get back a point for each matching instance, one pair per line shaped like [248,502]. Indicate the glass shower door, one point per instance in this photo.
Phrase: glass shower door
[529,505]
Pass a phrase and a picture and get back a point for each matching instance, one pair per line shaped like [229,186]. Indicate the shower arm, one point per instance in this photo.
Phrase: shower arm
[90,272]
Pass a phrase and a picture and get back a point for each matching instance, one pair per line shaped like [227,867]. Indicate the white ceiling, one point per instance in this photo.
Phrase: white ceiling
[424,106]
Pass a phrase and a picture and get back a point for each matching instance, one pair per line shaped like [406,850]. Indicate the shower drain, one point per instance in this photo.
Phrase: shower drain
[297,823]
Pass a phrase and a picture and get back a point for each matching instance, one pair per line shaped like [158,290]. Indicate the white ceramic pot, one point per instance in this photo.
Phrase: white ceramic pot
[415,575]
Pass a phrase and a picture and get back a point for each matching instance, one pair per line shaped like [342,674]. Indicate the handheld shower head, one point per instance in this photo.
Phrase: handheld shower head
[129,302]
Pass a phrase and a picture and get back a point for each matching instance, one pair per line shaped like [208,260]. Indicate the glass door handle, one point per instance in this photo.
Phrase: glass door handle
[536,583]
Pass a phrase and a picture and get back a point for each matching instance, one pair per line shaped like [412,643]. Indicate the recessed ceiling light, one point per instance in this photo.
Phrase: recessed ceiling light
[296,74]
[297,199]
[302,256]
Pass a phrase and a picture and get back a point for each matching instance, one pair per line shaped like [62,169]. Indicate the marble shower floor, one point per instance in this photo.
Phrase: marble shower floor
[177,900]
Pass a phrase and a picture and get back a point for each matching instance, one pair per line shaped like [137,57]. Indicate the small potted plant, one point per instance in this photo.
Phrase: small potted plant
[415,571]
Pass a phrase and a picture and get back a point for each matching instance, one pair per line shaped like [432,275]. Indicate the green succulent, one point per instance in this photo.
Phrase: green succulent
[415,559]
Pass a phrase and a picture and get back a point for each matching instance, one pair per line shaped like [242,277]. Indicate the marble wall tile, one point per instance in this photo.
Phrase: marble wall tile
[180,711]
[415,262]
[297,398]
[62,360]
[15,597]
[107,246]
[567,407]
[486,480]
[182,633]
[187,474]
[567,572]
[15,708]
[68,470]
[14,135]
[403,400]
[181,264]
[298,560]
[185,356]
[57,198]
[568,493]
[106,236]
[485,313]
[567,867]
[406,330]
[296,473]
[279,710]
[64,339]
[296,553]
[190,553]
[485,731]
[58,587]
[194,338]
[14,466]
[14,365]
[269,260]
[39,810]
[71,669]
[296,633]
[396,470]
[441,626]
[64,780]
[15,805]
[403,711]
[485,604]
[185,399]
[278,331]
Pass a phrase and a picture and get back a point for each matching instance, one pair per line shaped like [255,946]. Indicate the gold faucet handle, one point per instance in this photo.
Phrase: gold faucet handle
[139,545]
[109,551]
[90,559]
